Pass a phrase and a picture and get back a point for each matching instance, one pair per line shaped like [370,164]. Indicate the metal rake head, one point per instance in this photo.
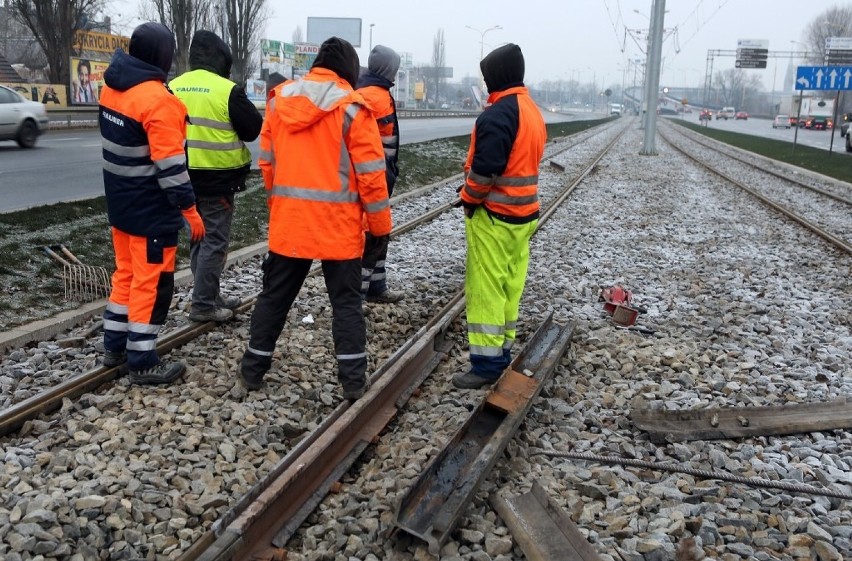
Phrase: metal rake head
[83,283]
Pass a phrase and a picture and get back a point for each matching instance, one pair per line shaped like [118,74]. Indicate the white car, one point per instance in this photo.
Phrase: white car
[21,120]
[781,121]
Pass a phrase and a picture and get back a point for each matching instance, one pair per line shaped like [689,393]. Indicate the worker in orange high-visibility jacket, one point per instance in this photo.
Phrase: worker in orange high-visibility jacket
[324,170]
[149,197]
[500,198]
[374,84]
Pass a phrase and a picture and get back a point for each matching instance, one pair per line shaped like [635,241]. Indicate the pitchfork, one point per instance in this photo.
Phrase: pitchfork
[84,283]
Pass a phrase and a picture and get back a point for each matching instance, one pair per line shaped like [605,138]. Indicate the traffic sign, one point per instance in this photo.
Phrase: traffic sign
[752,53]
[838,43]
[824,78]
[838,56]
[750,63]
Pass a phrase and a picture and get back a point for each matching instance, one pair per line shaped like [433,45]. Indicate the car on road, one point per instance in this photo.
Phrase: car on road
[741,115]
[705,115]
[781,122]
[726,113]
[21,120]
[844,126]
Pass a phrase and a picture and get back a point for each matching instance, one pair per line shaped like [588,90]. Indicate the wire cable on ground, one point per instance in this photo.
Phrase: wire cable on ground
[705,474]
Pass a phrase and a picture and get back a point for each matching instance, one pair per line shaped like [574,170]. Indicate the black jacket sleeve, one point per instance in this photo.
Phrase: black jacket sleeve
[245,117]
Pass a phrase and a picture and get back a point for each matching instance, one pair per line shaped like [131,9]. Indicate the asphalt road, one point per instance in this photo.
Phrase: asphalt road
[763,128]
[66,165]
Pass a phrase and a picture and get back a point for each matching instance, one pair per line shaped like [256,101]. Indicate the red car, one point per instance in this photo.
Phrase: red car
[741,115]
[705,115]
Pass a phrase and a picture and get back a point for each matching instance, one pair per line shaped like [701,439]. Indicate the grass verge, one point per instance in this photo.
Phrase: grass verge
[33,288]
[838,166]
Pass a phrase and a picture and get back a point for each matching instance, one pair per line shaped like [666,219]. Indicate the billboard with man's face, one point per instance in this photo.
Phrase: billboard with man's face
[87,78]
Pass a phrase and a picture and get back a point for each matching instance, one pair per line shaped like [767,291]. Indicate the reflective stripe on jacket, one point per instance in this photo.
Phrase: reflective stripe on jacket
[145,177]
[323,168]
[212,142]
[506,146]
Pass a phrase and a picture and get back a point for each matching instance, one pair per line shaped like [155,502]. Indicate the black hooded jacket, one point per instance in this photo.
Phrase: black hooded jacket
[208,52]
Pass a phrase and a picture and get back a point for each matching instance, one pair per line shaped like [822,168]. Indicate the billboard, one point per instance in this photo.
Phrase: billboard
[52,95]
[320,29]
[256,89]
[99,42]
[305,55]
[87,79]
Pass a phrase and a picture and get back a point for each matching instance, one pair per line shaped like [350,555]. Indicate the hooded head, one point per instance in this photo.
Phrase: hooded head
[503,68]
[208,52]
[339,56]
[384,62]
[153,43]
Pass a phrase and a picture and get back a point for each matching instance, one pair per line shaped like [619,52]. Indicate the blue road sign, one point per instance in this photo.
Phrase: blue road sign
[824,78]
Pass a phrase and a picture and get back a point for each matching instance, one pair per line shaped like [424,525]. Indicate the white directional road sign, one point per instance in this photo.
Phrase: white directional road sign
[838,43]
[824,78]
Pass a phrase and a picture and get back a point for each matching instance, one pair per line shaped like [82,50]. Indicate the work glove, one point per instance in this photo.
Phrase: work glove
[458,202]
[195,223]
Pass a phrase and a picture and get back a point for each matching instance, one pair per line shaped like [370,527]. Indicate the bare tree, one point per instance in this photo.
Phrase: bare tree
[736,87]
[438,61]
[298,35]
[833,22]
[245,20]
[53,23]
[184,18]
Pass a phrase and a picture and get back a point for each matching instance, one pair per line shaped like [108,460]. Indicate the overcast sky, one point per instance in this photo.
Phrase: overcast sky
[561,39]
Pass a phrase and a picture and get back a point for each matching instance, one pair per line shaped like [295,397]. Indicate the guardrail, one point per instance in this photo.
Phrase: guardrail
[84,117]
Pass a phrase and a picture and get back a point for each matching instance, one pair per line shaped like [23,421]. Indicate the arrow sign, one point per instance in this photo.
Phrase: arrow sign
[824,78]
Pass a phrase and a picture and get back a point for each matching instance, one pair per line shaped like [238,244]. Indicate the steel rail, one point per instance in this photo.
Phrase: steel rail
[260,524]
[694,138]
[828,236]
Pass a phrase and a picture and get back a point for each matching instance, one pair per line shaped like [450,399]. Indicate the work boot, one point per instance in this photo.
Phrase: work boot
[228,302]
[163,373]
[386,297]
[250,384]
[471,381]
[355,395]
[114,358]
[216,314]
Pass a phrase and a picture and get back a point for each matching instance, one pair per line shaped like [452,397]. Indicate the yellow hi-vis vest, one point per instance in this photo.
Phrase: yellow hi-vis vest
[211,140]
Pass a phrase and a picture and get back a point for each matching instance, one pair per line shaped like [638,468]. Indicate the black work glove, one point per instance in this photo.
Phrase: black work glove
[469,209]
[458,202]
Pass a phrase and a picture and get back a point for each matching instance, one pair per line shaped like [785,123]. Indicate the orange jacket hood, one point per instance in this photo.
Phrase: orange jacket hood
[317,94]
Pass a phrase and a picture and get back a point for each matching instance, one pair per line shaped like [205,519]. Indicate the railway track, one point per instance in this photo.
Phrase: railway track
[827,214]
[581,248]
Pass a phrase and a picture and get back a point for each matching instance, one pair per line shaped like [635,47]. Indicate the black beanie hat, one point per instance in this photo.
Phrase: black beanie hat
[503,68]
[339,55]
[153,43]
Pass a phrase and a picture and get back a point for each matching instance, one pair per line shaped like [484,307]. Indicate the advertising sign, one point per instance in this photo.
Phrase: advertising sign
[304,56]
[320,29]
[271,50]
[256,89]
[99,42]
[87,79]
[52,95]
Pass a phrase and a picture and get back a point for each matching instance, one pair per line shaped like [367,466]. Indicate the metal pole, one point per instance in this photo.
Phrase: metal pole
[798,118]
[834,122]
[654,56]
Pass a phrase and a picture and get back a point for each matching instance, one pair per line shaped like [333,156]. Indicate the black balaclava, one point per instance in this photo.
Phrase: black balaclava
[339,55]
[503,68]
[209,52]
[153,43]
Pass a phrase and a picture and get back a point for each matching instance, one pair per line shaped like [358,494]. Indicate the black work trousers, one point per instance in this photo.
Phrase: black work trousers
[283,277]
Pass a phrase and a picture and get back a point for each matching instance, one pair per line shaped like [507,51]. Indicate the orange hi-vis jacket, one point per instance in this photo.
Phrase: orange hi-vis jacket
[323,168]
[506,146]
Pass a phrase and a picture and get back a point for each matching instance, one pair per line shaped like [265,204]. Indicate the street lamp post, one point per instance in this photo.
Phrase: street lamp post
[482,44]
[371,36]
